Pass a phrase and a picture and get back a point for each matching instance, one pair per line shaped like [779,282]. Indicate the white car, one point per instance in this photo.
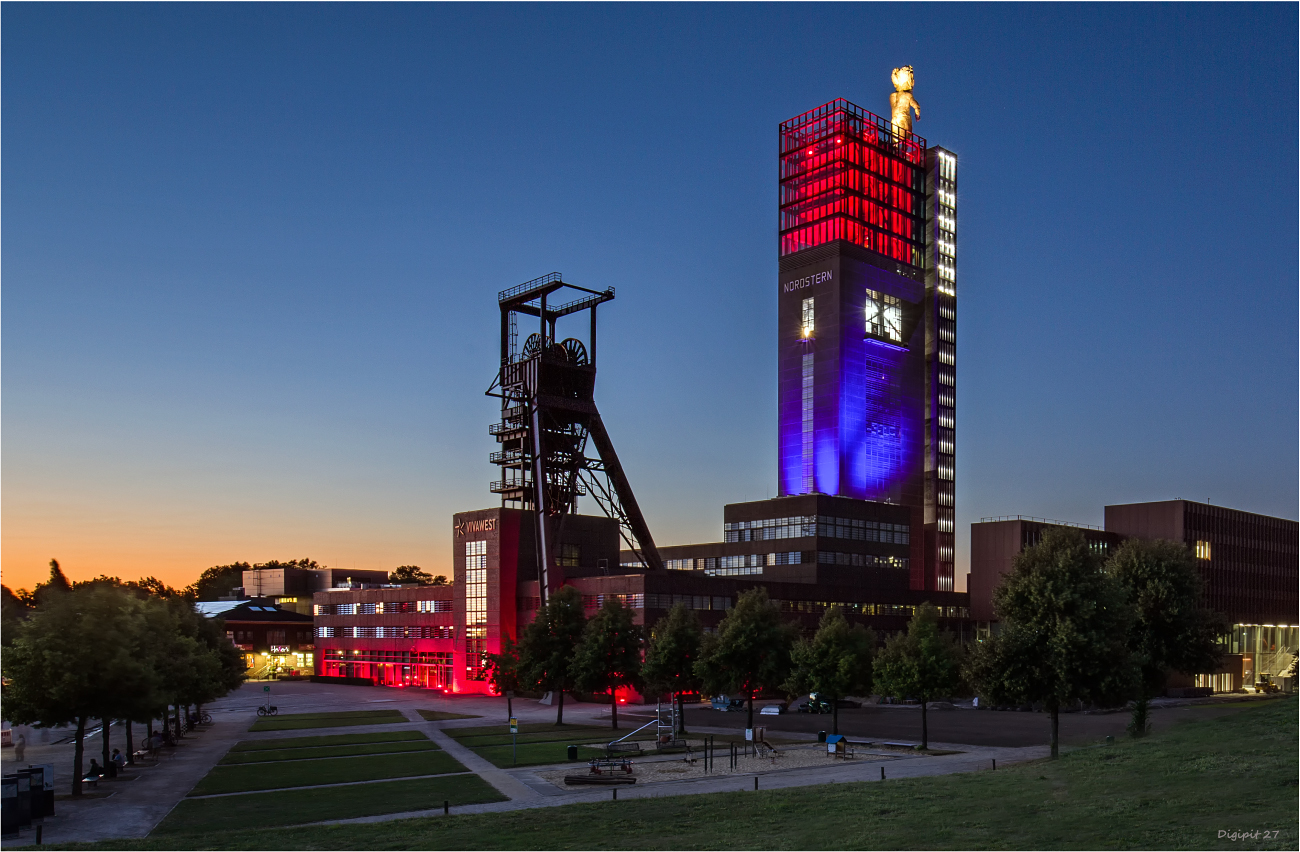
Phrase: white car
[773,709]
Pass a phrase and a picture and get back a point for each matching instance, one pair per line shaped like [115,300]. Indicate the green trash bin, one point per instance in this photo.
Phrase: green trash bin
[821,736]
[573,752]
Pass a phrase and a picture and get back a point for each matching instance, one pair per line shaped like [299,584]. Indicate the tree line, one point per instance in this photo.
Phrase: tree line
[1073,629]
[110,650]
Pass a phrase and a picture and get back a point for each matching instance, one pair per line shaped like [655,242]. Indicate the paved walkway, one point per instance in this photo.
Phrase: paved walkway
[863,769]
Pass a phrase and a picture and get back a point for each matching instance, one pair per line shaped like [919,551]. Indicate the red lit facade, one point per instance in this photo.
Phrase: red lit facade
[845,175]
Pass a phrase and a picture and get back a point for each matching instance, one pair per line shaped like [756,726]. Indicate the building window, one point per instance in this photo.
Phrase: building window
[1202,550]
[570,555]
[807,325]
[807,433]
[475,608]
[884,316]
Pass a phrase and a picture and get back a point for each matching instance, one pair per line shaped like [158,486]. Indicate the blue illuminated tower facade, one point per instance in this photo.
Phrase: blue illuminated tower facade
[867,322]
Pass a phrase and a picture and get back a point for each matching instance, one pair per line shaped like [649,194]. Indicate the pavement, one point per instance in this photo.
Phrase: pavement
[131,806]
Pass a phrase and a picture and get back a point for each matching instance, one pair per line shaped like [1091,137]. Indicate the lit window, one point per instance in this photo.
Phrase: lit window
[1202,550]
[807,430]
[570,555]
[884,316]
[807,318]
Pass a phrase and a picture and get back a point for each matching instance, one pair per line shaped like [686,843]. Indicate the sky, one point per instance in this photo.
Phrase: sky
[251,255]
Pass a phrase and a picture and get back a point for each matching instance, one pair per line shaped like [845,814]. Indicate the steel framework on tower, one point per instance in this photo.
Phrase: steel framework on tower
[548,414]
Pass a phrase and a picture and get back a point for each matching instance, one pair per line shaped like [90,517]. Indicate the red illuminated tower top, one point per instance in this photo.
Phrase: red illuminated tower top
[846,174]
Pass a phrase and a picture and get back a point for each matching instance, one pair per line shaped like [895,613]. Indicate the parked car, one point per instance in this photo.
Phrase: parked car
[724,702]
[774,709]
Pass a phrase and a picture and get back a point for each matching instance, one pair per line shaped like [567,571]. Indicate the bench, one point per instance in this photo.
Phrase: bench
[92,780]
[616,748]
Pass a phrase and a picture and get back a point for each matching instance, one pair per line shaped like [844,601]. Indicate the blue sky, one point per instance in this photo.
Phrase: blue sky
[251,256]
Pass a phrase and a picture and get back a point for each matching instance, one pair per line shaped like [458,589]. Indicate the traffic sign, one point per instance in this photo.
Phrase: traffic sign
[266,688]
[514,726]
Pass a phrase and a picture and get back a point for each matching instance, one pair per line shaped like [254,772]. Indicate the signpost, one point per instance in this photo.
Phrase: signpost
[514,740]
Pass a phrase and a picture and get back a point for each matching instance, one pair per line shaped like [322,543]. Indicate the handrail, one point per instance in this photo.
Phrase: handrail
[1041,521]
[654,721]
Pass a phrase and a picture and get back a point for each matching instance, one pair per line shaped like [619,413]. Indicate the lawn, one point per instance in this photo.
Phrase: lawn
[335,739]
[538,744]
[1174,790]
[263,755]
[537,754]
[294,721]
[330,770]
[257,811]
[442,716]
[500,734]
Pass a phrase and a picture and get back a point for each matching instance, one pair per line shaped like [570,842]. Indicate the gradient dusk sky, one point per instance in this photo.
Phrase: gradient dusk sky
[251,257]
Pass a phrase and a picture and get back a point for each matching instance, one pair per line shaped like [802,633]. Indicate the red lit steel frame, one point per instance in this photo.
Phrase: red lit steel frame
[846,175]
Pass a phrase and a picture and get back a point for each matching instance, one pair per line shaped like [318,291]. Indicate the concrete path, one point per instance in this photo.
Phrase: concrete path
[863,769]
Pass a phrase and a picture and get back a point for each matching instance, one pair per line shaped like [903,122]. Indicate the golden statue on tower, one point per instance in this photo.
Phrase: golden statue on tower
[901,102]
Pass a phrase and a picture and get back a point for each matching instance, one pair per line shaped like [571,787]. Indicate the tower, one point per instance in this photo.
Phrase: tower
[548,413]
[866,321]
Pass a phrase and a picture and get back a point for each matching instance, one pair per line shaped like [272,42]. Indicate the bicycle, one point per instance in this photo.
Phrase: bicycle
[205,718]
[267,710]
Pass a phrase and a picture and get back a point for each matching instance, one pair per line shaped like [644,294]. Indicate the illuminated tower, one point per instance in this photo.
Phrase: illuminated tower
[866,321]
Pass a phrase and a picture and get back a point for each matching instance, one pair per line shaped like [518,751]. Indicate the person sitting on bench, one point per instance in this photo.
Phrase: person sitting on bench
[95,771]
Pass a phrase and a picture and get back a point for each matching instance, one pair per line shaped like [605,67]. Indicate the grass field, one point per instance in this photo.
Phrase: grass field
[1174,790]
[538,744]
[332,740]
[294,721]
[264,755]
[200,818]
[331,770]
[441,716]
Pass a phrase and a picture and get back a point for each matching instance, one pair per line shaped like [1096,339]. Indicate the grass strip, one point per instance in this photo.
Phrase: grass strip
[301,773]
[199,818]
[294,721]
[268,754]
[442,716]
[1176,789]
[334,739]
[536,754]
[500,735]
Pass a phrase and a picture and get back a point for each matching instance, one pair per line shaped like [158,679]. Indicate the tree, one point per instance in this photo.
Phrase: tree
[1171,630]
[57,584]
[1064,631]
[836,662]
[13,608]
[547,645]
[923,662]
[750,651]
[609,655]
[415,574]
[71,660]
[219,581]
[670,657]
[503,673]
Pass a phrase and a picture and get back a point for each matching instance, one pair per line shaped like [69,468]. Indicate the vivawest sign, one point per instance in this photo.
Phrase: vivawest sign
[464,527]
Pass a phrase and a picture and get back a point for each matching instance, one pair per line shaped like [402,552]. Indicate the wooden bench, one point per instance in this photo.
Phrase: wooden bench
[617,748]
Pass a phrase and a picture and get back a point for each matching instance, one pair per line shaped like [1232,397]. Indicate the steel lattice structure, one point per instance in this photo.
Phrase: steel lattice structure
[548,416]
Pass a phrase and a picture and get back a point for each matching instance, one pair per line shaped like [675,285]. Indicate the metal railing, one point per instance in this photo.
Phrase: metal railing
[1042,521]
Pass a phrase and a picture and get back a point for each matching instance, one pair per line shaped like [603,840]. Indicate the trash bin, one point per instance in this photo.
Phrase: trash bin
[573,752]
[821,736]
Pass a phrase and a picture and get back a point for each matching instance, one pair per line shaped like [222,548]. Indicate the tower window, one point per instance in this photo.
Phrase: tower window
[884,316]
[807,325]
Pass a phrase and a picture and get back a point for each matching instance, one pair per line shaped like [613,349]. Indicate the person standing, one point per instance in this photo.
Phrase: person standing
[20,748]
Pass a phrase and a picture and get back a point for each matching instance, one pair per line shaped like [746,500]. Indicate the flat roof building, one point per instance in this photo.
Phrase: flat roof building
[1249,566]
